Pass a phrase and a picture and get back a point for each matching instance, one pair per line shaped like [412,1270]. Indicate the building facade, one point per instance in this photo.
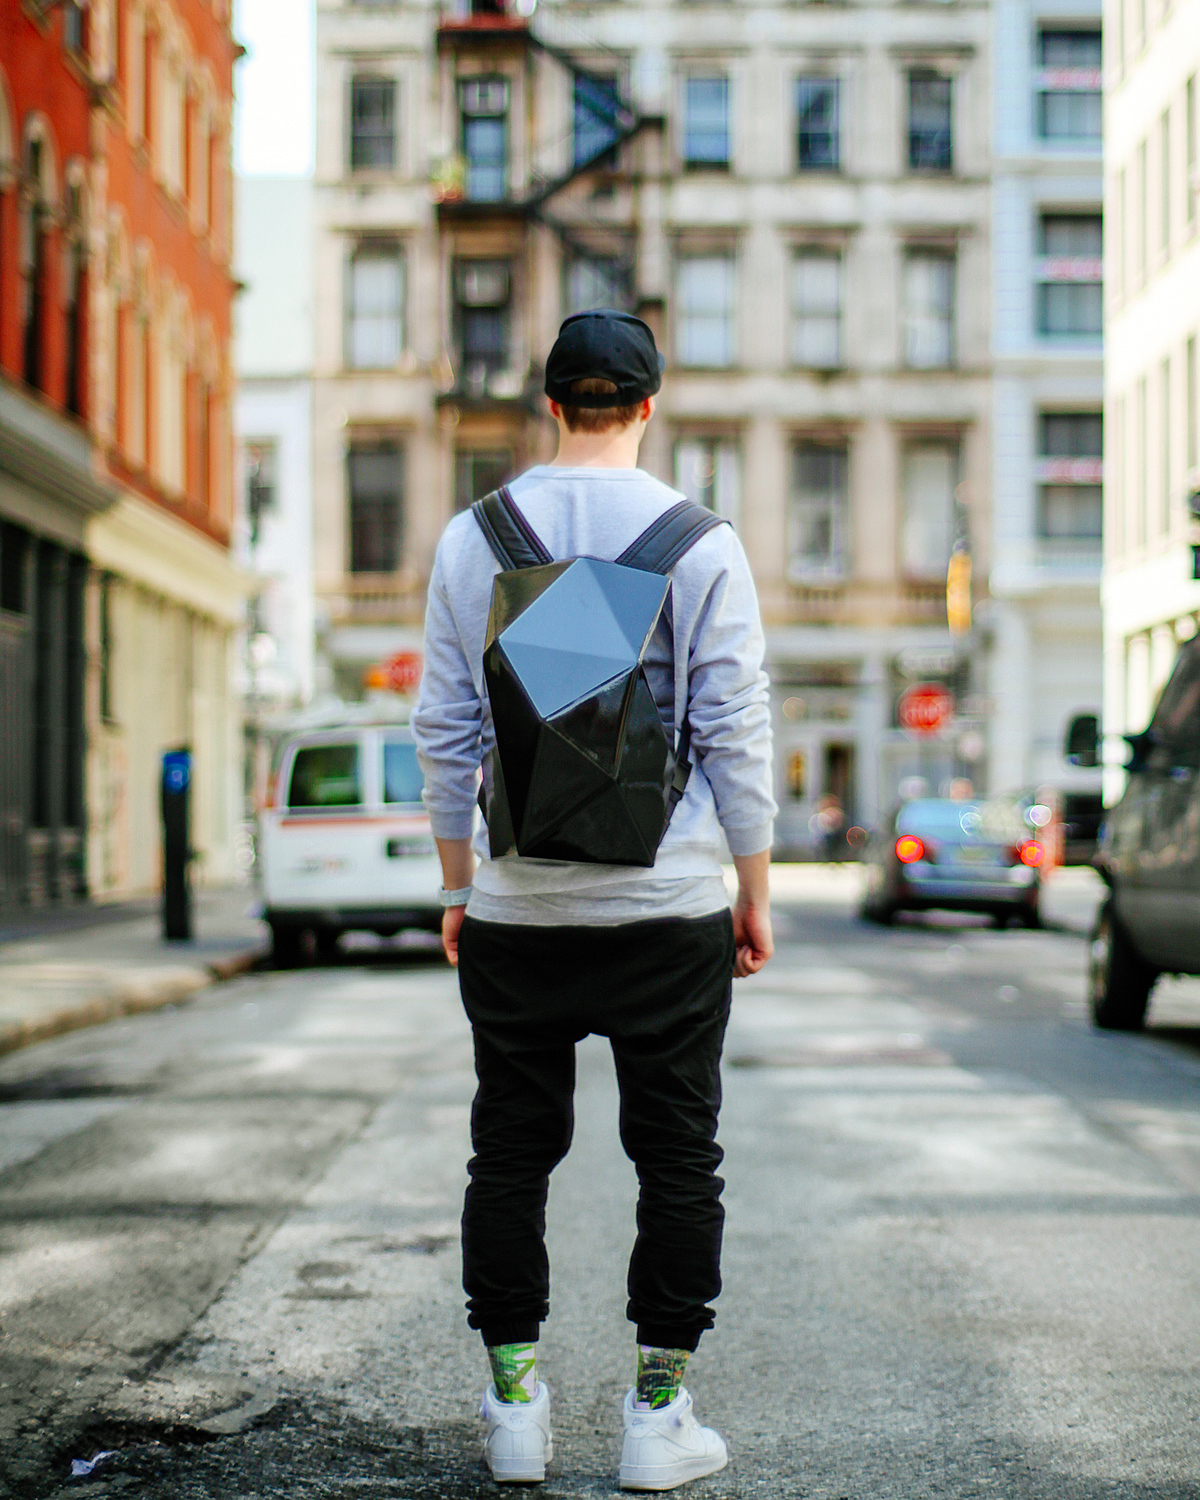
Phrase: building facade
[1151,588]
[800,208]
[273,428]
[1047,394]
[120,596]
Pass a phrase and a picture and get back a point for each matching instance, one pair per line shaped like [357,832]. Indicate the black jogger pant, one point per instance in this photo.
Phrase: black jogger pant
[660,992]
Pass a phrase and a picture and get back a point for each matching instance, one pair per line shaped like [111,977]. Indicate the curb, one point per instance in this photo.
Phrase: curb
[161,987]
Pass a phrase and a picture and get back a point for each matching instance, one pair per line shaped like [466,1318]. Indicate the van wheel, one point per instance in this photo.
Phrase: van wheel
[1031,917]
[881,914]
[1119,979]
[285,945]
[326,939]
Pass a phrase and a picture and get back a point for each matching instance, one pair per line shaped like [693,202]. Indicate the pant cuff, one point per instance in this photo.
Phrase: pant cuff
[514,1331]
[669,1336]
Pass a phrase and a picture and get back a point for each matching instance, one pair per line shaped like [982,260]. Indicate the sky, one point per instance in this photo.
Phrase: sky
[273,84]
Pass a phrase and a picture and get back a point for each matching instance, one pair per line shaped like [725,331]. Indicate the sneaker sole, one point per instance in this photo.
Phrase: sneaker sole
[668,1476]
[520,1470]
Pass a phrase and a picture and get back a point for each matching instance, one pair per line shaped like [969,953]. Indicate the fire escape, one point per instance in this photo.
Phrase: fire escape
[495,188]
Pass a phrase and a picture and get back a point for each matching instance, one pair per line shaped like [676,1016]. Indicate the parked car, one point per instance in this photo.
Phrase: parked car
[1150,860]
[960,856]
[345,844]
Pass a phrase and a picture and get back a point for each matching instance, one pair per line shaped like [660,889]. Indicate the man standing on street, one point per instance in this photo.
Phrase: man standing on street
[550,951]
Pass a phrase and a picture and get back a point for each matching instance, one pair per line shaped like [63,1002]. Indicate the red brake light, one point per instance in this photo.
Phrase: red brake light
[909,848]
[1032,853]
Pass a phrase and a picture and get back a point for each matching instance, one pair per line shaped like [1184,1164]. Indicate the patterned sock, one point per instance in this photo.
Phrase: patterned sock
[514,1371]
[659,1376]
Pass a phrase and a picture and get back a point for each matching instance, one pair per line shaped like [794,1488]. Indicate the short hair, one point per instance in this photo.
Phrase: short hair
[597,418]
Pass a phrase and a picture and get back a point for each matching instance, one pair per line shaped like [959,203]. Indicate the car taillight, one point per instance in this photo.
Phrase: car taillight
[1032,853]
[909,848]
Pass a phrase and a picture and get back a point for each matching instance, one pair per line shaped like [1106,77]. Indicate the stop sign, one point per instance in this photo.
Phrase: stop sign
[399,674]
[925,708]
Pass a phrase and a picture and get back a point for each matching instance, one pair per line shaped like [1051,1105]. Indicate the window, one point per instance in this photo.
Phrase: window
[1069,293]
[705,311]
[262,481]
[596,281]
[1070,472]
[816,521]
[372,124]
[927,533]
[1164,179]
[817,309]
[928,309]
[596,117]
[325,776]
[482,292]
[374,478]
[817,124]
[1190,385]
[484,104]
[479,471]
[402,779]
[73,25]
[1068,104]
[375,316]
[1142,227]
[706,122]
[930,140]
[708,471]
[1189,149]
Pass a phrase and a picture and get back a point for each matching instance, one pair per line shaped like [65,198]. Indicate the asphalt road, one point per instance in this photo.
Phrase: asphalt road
[961,1252]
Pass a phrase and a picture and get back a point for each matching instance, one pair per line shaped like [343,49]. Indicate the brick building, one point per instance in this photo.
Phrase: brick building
[119,598]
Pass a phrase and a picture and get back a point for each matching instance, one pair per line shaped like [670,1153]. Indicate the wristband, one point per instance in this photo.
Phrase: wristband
[459,897]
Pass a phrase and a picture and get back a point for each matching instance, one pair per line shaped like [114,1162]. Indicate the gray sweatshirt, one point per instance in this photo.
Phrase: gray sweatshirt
[714,665]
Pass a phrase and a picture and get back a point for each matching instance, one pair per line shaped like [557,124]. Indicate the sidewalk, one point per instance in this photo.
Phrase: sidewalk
[73,976]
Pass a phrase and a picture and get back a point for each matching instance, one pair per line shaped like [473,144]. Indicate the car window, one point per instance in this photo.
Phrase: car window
[1177,717]
[402,779]
[325,776]
[998,820]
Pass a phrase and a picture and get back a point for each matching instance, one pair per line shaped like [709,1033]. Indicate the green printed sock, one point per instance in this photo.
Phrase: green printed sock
[514,1371]
[659,1376]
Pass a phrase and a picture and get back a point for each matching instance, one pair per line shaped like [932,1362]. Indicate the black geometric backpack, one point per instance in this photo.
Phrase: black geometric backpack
[583,769]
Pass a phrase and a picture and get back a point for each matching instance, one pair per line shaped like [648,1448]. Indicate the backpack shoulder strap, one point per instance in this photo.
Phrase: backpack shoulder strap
[512,539]
[665,540]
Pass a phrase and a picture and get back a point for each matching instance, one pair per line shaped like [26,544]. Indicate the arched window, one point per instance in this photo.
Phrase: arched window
[75,308]
[33,267]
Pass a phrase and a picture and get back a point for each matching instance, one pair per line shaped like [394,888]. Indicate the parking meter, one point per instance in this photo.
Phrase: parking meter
[177,896]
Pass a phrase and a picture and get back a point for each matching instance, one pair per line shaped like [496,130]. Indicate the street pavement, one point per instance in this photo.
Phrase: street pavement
[961,1250]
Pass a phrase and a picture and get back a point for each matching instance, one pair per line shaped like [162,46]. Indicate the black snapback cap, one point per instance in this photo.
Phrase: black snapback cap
[604,344]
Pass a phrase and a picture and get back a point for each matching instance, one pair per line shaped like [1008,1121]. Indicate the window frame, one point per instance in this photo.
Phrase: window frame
[1079,466]
[383,82]
[681,316]
[934,572]
[689,133]
[1072,270]
[797,315]
[947,255]
[380,250]
[503,162]
[941,167]
[1053,81]
[834,134]
[808,570]
[366,446]
[723,493]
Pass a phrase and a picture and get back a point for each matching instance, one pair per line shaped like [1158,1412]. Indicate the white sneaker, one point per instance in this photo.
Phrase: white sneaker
[518,1446]
[668,1446]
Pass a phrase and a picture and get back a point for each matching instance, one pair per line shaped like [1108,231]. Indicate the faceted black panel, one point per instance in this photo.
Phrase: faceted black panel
[501,839]
[563,781]
[646,755]
[597,724]
[582,631]
[606,823]
[513,592]
[516,724]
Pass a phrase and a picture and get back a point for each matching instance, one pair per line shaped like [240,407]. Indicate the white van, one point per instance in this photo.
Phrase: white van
[345,844]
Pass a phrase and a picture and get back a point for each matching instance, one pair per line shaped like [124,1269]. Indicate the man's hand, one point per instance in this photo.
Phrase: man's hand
[458,870]
[452,920]
[752,914]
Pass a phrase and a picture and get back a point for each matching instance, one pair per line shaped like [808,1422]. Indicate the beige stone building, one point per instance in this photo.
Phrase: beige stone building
[1151,587]
[796,198]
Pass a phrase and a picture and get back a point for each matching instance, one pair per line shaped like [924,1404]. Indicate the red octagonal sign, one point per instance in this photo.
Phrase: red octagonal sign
[925,708]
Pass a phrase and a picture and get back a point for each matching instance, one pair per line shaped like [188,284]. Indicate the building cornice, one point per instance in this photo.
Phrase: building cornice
[48,453]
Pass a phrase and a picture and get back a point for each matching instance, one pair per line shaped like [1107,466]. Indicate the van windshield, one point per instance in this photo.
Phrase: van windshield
[402,779]
[325,776]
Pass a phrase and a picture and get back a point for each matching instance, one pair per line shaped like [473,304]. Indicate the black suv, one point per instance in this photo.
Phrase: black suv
[1150,860]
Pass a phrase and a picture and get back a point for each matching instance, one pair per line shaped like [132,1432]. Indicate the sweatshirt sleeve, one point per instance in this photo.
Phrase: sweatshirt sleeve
[729,704]
[446,724]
